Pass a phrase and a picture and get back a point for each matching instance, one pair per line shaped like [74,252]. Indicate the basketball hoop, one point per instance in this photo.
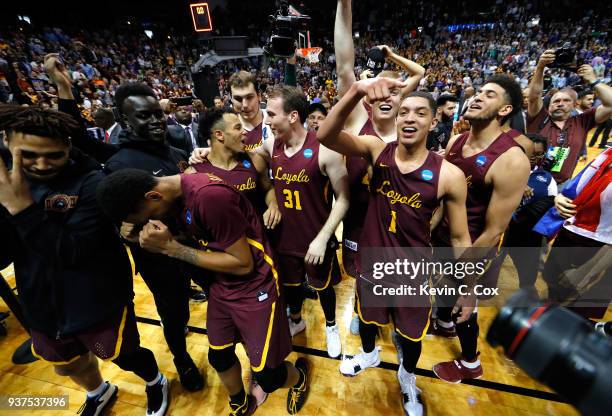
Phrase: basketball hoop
[310,54]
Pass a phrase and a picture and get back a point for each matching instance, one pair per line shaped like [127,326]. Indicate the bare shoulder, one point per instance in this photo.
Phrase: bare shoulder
[512,166]
[451,176]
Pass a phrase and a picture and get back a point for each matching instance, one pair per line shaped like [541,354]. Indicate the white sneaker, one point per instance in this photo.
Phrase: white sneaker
[296,328]
[334,347]
[158,398]
[411,394]
[350,367]
[355,325]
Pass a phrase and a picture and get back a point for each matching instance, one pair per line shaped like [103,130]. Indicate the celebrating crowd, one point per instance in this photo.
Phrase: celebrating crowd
[467,134]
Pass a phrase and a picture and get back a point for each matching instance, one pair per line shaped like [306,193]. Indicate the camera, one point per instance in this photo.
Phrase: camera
[558,348]
[565,57]
[285,27]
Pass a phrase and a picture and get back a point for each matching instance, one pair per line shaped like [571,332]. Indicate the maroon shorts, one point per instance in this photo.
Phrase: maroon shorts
[349,258]
[293,271]
[263,330]
[106,340]
[409,322]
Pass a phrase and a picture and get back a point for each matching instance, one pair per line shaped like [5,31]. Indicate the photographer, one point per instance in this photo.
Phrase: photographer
[565,133]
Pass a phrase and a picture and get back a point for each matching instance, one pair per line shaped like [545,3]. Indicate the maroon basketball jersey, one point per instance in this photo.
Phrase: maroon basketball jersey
[217,215]
[255,138]
[357,168]
[475,169]
[243,177]
[401,205]
[303,193]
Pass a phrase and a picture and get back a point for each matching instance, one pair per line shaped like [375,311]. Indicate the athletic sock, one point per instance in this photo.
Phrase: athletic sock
[155,380]
[332,323]
[239,398]
[97,391]
[470,365]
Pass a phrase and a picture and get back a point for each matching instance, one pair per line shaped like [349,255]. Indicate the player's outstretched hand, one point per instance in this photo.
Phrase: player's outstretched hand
[378,89]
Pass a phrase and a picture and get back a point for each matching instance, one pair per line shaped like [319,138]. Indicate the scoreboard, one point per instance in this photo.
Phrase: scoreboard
[200,13]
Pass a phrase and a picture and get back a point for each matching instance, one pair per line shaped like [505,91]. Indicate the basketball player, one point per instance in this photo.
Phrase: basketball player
[73,275]
[376,119]
[246,98]
[244,294]
[303,171]
[229,161]
[497,171]
[407,186]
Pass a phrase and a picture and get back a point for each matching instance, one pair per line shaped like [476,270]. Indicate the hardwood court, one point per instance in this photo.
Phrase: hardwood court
[504,390]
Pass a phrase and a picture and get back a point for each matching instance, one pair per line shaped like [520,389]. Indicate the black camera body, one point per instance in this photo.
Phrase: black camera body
[558,348]
[285,28]
[565,57]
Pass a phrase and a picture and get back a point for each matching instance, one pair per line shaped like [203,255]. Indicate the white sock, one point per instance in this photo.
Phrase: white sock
[155,380]
[446,325]
[97,391]
[371,355]
[468,364]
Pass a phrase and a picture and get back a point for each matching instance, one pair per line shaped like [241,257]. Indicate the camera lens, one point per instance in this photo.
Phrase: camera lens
[558,348]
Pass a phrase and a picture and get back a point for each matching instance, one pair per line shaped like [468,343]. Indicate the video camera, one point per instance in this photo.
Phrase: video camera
[559,348]
[285,27]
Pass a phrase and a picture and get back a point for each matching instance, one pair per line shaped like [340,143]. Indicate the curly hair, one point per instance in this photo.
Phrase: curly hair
[37,121]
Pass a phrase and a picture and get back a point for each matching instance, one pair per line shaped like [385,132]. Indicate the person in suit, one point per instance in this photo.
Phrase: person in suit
[105,119]
[184,135]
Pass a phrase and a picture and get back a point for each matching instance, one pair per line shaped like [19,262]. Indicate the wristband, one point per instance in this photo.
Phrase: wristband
[595,83]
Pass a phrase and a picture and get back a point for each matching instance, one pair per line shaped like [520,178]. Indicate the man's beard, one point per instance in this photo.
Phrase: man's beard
[446,119]
[482,118]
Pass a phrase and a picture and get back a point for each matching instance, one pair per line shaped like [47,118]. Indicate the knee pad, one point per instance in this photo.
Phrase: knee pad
[222,360]
[271,379]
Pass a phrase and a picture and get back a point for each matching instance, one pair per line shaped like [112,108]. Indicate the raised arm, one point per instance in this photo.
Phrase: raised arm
[536,86]
[343,46]
[331,133]
[414,70]
[604,92]
[331,164]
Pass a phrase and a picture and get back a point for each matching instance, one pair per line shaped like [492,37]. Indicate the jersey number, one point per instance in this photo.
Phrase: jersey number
[392,226]
[290,197]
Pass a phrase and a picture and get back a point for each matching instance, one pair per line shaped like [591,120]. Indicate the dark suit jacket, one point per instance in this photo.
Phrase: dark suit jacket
[178,137]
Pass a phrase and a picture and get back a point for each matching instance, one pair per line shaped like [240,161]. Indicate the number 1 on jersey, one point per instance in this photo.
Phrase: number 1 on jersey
[392,226]
[290,197]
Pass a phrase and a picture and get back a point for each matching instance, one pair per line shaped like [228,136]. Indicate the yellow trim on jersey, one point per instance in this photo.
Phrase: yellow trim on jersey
[292,284]
[53,362]
[326,191]
[361,316]
[329,275]
[267,259]
[220,347]
[264,353]
[422,335]
[119,336]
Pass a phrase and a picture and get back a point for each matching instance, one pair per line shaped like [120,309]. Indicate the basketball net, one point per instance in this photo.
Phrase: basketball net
[310,54]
